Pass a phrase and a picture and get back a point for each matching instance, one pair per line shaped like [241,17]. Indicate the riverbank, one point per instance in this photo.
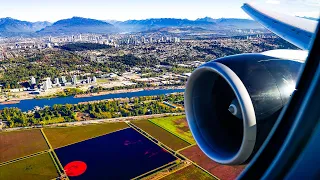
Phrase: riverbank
[25,95]
[10,102]
[126,91]
[17,98]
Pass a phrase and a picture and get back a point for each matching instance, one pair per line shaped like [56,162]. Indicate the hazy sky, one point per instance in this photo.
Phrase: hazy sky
[53,10]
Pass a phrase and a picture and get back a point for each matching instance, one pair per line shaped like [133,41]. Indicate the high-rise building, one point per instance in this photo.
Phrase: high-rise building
[33,80]
[150,40]
[45,85]
[56,81]
[88,80]
[143,39]
[176,40]
[48,82]
[48,45]
[63,79]
[94,79]
[74,79]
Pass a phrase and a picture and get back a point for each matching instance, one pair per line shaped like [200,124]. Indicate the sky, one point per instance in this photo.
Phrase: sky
[53,10]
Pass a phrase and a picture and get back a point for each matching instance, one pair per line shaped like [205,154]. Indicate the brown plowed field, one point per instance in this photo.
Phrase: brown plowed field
[223,172]
[17,144]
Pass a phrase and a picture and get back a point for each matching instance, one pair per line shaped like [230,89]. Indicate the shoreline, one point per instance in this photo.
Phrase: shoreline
[125,91]
[10,102]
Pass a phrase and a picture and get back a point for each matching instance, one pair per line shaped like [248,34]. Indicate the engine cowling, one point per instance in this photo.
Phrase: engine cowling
[232,103]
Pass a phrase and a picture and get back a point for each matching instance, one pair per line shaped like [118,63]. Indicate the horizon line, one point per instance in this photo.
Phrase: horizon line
[125,20]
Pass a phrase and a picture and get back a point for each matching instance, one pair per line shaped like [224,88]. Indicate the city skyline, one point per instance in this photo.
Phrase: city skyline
[52,11]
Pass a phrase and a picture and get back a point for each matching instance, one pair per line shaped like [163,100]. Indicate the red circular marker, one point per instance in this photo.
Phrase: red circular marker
[75,168]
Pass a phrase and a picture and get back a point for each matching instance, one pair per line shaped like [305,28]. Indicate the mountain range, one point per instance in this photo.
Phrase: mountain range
[78,25]
[150,24]
[232,23]
[9,26]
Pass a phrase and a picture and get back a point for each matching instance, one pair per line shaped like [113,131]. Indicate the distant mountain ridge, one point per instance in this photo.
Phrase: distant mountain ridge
[233,22]
[153,24]
[78,25]
[74,25]
[206,23]
[10,26]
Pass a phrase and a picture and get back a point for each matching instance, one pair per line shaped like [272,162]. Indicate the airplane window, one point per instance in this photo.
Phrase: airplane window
[145,90]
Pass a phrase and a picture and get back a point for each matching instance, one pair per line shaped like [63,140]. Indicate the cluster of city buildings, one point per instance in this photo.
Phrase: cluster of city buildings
[10,47]
[58,82]
[136,40]
[115,40]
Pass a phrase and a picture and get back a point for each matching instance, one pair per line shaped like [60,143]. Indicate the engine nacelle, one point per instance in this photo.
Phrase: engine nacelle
[232,103]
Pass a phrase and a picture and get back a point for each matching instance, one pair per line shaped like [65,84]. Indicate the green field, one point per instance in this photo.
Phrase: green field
[190,172]
[162,135]
[53,121]
[62,136]
[38,167]
[177,125]
[17,144]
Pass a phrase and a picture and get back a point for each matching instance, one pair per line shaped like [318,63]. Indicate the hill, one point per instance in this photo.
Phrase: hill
[78,25]
[10,26]
[75,25]
[232,23]
[203,23]
[152,24]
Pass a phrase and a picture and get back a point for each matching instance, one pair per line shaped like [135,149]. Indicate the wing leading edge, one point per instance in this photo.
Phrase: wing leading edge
[298,31]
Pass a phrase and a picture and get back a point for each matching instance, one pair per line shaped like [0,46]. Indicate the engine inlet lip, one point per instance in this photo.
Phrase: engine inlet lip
[247,109]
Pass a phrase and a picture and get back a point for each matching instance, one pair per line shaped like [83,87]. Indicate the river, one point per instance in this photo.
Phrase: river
[29,104]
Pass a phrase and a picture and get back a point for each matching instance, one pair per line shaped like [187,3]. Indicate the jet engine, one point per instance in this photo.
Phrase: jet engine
[233,102]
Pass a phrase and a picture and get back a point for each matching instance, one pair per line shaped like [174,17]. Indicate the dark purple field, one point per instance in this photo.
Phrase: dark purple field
[123,154]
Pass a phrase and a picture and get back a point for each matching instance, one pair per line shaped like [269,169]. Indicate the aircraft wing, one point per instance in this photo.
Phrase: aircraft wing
[296,30]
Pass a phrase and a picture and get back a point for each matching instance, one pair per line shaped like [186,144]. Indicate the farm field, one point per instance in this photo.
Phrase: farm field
[177,125]
[62,136]
[123,154]
[190,172]
[87,151]
[223,172]
[162,135]
[17,144]
[37,167]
